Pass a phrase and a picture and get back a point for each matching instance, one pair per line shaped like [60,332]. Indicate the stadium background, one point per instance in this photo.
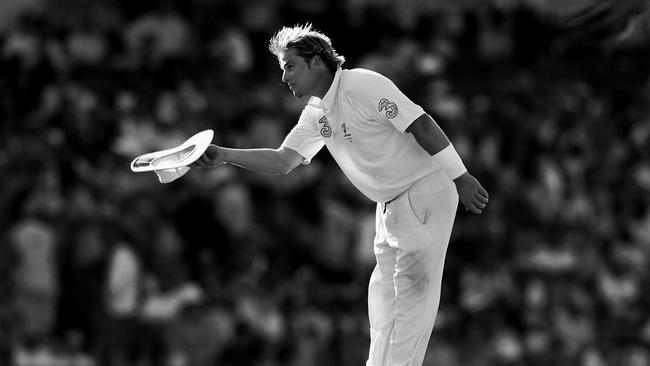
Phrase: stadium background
[101,266]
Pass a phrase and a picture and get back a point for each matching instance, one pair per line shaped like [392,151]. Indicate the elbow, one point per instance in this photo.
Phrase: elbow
[288,160]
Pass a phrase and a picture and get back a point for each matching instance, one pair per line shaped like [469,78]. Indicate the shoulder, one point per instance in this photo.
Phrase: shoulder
[352,77]
[309,114]
[363,81]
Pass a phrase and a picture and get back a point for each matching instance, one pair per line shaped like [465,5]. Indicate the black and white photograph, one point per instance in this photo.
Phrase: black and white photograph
[324,183]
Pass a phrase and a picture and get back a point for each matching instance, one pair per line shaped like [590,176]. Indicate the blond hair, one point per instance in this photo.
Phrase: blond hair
[308,42]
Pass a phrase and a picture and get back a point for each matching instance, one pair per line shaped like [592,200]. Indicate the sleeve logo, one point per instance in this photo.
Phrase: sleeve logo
[390,107]
[325,130]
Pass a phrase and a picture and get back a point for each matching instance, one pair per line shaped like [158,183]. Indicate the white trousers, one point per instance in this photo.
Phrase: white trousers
[412,234]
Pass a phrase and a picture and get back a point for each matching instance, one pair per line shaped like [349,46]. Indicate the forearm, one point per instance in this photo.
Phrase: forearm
[267,161]
[428,134]
[434,141]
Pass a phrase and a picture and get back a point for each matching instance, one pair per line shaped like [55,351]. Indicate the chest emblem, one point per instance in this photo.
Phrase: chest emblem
[390,107]
[325,129]
[347,133]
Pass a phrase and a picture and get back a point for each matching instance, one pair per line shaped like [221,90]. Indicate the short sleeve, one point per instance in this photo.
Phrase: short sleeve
[304,138]
[382,99]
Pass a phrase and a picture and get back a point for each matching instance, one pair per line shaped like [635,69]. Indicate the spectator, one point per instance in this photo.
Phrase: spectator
[36,280]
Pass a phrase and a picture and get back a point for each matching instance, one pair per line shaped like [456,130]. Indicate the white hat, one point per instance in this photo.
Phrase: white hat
[172,164]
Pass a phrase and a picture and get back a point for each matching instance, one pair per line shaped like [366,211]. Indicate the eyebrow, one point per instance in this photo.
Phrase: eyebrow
[283,64]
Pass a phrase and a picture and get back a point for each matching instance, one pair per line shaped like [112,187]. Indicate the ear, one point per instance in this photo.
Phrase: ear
[316,61]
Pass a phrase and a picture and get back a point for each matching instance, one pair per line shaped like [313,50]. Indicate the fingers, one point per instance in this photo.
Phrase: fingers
[483,193]
[209,158]
[480,200]
[197,164]
[201,162]
[477,204]
[473,208]
[473,196]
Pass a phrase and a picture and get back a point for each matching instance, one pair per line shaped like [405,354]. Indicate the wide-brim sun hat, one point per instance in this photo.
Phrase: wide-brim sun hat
[171,164]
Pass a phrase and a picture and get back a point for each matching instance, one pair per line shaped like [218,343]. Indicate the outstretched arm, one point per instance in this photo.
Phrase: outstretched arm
[268,161]
[432,139]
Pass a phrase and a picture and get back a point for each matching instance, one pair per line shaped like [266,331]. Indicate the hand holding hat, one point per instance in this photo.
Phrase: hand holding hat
[173,163]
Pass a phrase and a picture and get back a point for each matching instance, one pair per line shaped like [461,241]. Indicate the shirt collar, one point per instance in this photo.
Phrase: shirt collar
[328,99]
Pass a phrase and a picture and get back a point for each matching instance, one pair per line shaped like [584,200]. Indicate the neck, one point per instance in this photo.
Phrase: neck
[324,84]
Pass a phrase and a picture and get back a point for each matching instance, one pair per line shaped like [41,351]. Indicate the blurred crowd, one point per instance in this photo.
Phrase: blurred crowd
[102,266]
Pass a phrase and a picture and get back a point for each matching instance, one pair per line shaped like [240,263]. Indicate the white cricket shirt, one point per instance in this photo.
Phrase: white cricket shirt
[362,120]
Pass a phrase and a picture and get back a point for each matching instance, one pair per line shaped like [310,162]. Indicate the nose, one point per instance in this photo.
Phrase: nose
[284,76]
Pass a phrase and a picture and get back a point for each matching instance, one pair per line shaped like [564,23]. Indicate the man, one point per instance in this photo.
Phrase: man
[396,155]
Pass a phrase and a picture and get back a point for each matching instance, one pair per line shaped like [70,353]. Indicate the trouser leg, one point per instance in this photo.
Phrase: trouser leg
[418,286]
[381,295]
[405,287]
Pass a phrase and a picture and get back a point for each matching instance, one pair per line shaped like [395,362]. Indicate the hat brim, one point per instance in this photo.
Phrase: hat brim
[177,157]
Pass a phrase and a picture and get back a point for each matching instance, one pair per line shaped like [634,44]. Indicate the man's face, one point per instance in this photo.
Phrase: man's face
[298,74]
